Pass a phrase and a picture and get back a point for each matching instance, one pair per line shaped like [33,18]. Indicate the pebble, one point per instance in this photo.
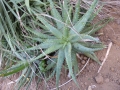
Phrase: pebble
[99,79]
[91,65]
[83,62]
[85,58]
[82,85]
[81,56]
[85,83]
[112,69]
[89,70]
[89,88]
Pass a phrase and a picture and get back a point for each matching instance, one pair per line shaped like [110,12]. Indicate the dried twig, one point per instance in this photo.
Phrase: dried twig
[108,50]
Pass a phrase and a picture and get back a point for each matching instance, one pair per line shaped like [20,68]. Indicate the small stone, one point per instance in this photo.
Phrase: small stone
[107,80]
[89,88]
[89,70]
[82,84]
[91,65]
[85,58]
[81,56]
[85,83]
[99,79]
[112,69]
[83,62]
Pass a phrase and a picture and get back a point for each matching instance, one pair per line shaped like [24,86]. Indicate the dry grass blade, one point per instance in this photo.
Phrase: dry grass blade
[107,53]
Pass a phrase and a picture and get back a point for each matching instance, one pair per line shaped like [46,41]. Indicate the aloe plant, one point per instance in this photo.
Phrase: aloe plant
[62,31]
[64,35]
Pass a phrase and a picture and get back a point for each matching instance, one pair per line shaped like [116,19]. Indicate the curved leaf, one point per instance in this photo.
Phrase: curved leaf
[92,56]
[52,29]
[56,14]
[48,51]
[82,22]
[68,58]
[61,57]
[27,3]
[84,38]
[39,34]
[16,68]
[74,62]
[84,49]
[77,10]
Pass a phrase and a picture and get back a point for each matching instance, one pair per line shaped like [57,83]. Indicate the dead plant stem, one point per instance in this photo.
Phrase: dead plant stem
[106,56]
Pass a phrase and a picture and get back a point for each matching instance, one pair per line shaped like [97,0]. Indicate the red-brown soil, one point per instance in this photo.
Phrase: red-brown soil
[109,76]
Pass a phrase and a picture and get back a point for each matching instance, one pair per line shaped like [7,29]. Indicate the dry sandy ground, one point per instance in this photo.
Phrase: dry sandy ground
[109,76]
